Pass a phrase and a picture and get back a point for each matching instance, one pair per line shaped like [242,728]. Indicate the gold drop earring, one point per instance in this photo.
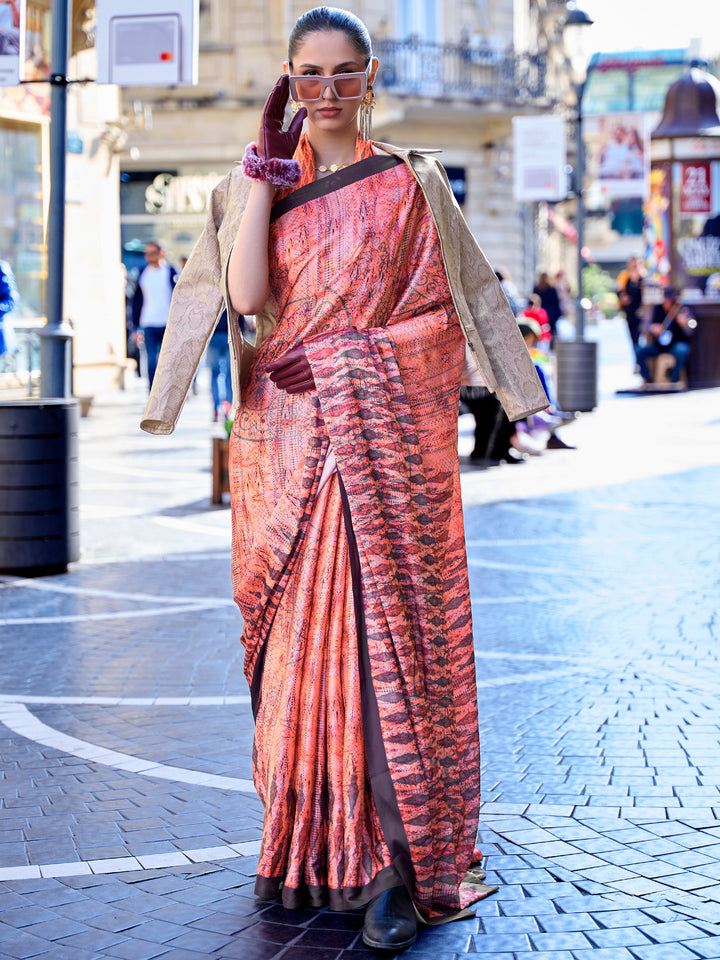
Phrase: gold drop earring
[365,119]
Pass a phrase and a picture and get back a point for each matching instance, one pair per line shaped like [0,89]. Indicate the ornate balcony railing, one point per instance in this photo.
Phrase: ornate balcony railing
[458,71]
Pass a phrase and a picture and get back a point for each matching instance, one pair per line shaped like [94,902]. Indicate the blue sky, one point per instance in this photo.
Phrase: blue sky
[662,24]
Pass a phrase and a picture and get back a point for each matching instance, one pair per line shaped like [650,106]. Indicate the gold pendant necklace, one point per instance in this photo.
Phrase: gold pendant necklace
[333,168]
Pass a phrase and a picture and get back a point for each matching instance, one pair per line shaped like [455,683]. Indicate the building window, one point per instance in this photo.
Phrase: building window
[419,19]
[207,21]
[22,212]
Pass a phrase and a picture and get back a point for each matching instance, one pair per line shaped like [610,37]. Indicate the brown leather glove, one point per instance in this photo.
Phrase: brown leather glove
[292,371]
[272,140]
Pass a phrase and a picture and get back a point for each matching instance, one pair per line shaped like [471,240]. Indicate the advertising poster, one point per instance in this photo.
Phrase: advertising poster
[657,225]
[617,156]
[12,36]
[31,99]
[695,192]
[697,185]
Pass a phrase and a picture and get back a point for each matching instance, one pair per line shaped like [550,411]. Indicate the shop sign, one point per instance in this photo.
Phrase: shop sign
[168,194]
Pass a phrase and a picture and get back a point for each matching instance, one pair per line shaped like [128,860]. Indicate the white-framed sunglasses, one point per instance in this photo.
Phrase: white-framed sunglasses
[345,86]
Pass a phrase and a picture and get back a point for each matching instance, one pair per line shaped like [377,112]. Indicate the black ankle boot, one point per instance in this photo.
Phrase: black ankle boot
[390,921]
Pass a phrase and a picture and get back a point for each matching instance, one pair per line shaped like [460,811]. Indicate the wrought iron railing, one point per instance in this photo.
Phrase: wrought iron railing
[462,71]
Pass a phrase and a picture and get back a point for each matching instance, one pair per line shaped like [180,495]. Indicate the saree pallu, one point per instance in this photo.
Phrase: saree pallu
[352,581]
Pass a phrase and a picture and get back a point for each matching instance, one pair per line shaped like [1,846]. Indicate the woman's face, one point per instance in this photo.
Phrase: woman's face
[328,53]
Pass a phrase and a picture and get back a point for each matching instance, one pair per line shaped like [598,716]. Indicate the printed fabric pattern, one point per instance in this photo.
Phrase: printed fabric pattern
[367,294]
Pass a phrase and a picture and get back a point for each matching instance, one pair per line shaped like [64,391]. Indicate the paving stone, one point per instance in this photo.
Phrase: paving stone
[707,947]
[665,951]
[249,950]
[584,771]
[609,953]
[625,936]
[135,950]
[498,926]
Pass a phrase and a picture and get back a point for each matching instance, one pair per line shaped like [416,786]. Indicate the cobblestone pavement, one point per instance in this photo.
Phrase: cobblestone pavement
[129,827]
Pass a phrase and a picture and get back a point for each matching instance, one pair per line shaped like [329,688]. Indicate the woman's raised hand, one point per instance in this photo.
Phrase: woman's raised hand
[272,140]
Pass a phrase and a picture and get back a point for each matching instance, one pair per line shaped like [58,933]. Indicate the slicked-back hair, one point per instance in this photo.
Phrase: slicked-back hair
[330,19]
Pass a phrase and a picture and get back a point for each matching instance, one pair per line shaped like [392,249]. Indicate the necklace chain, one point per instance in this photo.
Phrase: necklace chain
[332,168]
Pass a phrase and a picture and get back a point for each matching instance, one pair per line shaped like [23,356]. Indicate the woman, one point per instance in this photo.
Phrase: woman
[630,295]
[549,300]
[370,298]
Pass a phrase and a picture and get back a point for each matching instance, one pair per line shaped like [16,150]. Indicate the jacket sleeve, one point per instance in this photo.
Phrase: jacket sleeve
[197,301]
[196,304]
[496,347]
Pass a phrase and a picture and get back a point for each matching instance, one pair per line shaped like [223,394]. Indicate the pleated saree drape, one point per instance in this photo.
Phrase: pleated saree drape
[349,559]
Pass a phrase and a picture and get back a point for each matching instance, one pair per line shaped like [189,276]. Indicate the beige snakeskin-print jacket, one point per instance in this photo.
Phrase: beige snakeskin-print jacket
[496,355]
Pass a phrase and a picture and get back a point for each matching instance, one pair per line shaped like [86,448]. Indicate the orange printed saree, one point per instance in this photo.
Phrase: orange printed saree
[349,559]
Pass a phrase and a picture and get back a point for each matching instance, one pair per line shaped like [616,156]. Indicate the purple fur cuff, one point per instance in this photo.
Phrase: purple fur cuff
[281,173]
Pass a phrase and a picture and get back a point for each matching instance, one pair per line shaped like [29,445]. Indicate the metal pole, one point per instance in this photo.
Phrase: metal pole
[56,335]
[580,222]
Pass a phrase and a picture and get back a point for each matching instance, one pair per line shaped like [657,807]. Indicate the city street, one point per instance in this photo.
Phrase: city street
[129,826]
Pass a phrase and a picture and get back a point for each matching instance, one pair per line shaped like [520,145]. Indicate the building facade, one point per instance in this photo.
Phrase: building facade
[142,161]
[93,281]
[452,75]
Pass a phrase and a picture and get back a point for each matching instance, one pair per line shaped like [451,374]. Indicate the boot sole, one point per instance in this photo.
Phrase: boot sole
[389,947]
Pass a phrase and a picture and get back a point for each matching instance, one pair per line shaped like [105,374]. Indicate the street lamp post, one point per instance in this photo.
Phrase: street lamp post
[56,335]
[577,375]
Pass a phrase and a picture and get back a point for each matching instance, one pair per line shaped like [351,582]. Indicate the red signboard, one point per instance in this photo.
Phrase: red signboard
[695,189]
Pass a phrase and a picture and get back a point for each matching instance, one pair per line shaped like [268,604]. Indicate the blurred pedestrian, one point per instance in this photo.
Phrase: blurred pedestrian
[539,431]
[218,358]
[510,290]
[630,294]
[669,331]
[536,312]
[9,299]
[151,304]
[564,292]
[549,300]
[494,431]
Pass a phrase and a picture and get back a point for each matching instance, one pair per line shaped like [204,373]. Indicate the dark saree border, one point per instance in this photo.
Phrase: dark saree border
[336,181]
[381,782]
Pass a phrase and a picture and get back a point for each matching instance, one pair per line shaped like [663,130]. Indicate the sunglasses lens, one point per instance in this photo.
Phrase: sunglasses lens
[349,87]
[308,88]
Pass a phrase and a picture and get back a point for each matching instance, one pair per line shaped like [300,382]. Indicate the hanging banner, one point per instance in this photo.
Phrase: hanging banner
[539,158]
[12,41]
[695,189]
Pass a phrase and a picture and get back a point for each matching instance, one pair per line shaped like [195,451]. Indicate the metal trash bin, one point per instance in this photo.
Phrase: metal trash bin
[39,515]
[577,375]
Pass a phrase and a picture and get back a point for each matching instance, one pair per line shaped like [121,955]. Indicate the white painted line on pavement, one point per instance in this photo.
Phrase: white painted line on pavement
[175,523]
[156,861]
[117,615]
[219,554]
[532,598]
[128,701]
[117,469]
[19,719]
[31,584]
[531,677]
